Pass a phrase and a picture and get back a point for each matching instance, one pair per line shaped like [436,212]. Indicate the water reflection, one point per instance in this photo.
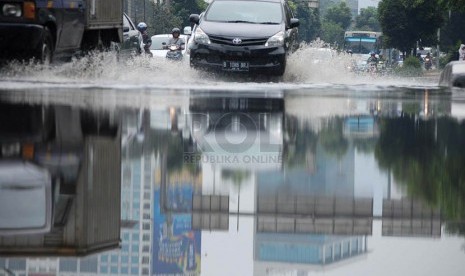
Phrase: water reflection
[59,179]
[242,184]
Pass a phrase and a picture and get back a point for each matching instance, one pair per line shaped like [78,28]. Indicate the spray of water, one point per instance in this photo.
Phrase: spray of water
[313,63]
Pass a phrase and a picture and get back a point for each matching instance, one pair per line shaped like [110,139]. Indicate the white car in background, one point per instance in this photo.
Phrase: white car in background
[157,44]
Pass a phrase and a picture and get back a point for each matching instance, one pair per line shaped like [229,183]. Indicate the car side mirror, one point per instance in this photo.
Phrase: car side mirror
[194,18]
[294,22]
[125,29]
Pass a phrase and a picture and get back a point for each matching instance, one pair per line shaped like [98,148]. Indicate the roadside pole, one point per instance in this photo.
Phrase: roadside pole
[438,51]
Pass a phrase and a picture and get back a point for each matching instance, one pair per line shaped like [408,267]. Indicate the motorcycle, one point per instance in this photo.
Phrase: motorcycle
[174,52]
[381,67]
[373,68]
[428,63]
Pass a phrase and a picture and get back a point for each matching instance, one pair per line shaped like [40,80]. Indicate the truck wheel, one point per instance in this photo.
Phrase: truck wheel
[44,52]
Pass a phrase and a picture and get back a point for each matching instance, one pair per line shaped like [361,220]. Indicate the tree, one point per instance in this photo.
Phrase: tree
[332,138]
[426,157]
[405,22]
[332,33]
[452,34]
[184,8]
[310,24]
[367,20]
[339,14]
[166,15]
[454,5]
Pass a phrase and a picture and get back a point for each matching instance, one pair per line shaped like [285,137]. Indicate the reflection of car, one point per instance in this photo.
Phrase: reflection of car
[453,74]
[246,129]
[245,36]
[132,38]
[157,44]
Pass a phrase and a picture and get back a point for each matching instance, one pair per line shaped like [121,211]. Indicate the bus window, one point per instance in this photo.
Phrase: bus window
[362,42]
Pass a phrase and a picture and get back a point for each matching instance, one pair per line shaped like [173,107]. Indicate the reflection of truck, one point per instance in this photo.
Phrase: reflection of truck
[41,156]
[59,176]
[58,29]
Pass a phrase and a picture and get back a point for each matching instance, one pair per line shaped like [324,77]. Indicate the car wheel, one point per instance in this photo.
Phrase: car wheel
[44,53]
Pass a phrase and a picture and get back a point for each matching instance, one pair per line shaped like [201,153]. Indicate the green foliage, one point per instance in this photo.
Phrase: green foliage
[412,62]
[163,16]
[410,68]
[427,157]
[339,14]
[454,5]
[332,33]
[141,11]
[309,19]
[165,19]
[443,60]
[332,138]
[302,141]
[367,20]
[235,176]
[184,8]
[452,33]
[405,22]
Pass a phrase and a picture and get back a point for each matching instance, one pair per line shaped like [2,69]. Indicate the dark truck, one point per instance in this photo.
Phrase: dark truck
[56,29]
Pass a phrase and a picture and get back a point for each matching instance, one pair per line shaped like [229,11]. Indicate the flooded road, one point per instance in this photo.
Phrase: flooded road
[135,170]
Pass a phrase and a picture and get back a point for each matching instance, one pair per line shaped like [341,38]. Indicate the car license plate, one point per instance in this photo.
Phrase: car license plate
[236,65]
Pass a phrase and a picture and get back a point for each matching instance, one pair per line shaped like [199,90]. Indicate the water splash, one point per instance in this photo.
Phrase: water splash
[312,64]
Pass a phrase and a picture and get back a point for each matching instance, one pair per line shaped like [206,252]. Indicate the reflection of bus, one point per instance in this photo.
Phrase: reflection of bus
[362,42]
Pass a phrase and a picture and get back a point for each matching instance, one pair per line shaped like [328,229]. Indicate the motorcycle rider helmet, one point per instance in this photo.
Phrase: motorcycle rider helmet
[142,27]
[176,30]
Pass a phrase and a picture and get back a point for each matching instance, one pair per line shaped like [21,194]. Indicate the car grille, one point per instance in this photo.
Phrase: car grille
[245,41]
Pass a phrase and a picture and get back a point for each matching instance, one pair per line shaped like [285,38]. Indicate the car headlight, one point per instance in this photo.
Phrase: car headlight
[201,37]
[12,10]
[276,40]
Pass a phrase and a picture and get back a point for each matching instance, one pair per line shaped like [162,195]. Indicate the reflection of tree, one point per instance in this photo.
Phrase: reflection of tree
[366,145]
[235,176]
[162,142]
[301,142]
[428,157]
[332,139]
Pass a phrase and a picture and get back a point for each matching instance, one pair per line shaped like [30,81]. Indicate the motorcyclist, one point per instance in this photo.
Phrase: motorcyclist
[372,58]
[428,61]
[146,40]
[176,40]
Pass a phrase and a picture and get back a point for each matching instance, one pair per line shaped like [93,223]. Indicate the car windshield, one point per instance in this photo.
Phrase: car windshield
[157,42]
[258,12]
